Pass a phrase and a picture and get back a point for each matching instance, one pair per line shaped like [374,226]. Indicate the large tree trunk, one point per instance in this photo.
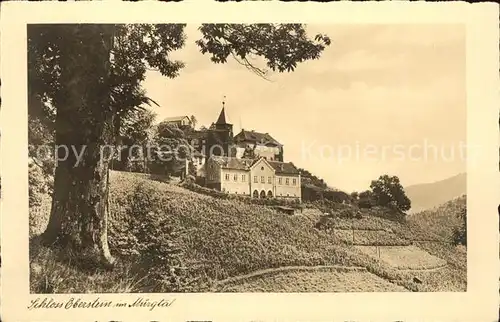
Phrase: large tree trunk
[84,122]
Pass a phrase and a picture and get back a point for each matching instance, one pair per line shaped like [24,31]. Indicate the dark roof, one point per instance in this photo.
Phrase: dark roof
[257,137]
[233,163]
[245,164]
[177,118]
[222,117]
[284,167]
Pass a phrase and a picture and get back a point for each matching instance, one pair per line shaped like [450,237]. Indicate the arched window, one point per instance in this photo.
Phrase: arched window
[263,194]
[269,194]
[255,194]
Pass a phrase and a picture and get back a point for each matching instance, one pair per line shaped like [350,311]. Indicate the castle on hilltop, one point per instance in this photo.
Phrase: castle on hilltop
[248,163]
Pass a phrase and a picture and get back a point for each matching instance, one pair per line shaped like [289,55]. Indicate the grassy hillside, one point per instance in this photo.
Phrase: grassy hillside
[217,239]
[430,195]
[442,220]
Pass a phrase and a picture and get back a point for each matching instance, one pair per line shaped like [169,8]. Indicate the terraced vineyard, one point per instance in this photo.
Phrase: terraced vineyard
[222,239]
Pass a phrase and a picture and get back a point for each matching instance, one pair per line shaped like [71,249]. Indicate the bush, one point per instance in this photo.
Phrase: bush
[337,196]
[366,200]
[310,192]
[147,235]
[460,233]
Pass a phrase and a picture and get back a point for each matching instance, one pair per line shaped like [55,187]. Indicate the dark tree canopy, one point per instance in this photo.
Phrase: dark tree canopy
[387,191]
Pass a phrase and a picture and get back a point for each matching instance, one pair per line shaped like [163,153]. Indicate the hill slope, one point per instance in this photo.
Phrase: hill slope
[429,195]
[220,239]
[441,220]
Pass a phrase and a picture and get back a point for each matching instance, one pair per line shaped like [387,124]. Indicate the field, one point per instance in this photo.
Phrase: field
[220,239]
[316,281]
[404,257]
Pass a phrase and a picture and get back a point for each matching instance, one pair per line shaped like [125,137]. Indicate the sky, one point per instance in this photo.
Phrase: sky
[382,99]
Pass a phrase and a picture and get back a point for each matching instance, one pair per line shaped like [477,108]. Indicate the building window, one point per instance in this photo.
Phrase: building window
[268,179]
[294,182]
[255,179]
[280,181]
[236,177]
[262,179]
[227,176]
[287,181]
[243,177]
[262,168]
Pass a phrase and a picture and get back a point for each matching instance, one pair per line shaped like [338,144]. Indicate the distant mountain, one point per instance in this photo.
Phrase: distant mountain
[429,195]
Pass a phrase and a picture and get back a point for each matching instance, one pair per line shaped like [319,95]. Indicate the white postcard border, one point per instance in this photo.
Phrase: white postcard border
[478,304]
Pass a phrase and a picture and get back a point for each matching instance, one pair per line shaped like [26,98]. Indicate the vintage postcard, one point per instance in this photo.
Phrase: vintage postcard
[250,161]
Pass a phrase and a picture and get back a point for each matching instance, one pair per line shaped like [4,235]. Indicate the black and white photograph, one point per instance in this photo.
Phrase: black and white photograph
[247,158]
[238,161]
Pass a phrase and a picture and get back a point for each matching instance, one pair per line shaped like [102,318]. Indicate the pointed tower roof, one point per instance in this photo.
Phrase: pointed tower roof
[222,117]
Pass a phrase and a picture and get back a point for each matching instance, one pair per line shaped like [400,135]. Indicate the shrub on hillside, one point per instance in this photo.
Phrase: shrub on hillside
[337,210]
[460,233]
[366,200]
[388,212]
[147,235]
[337,196]
[311,192]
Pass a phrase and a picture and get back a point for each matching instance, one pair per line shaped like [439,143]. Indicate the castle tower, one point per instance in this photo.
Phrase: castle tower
[221,123]
[221,135]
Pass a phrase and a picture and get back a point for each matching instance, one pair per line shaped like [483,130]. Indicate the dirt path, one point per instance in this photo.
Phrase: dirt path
[310,279]
[424,270]
[278,270]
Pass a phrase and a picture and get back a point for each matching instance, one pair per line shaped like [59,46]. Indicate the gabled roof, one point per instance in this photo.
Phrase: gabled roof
[256,137]
[233,163]
[177,118]
[286,168]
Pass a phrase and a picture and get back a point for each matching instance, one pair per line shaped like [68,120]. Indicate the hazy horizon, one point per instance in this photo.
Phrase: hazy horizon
[397,91]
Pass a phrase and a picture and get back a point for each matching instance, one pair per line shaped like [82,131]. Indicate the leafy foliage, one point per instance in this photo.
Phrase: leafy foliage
[366,199]
[137,47]
[460,233]
[136,133]
[39,184]
[170,149]
[388,191]
[283,46]
[149,235]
